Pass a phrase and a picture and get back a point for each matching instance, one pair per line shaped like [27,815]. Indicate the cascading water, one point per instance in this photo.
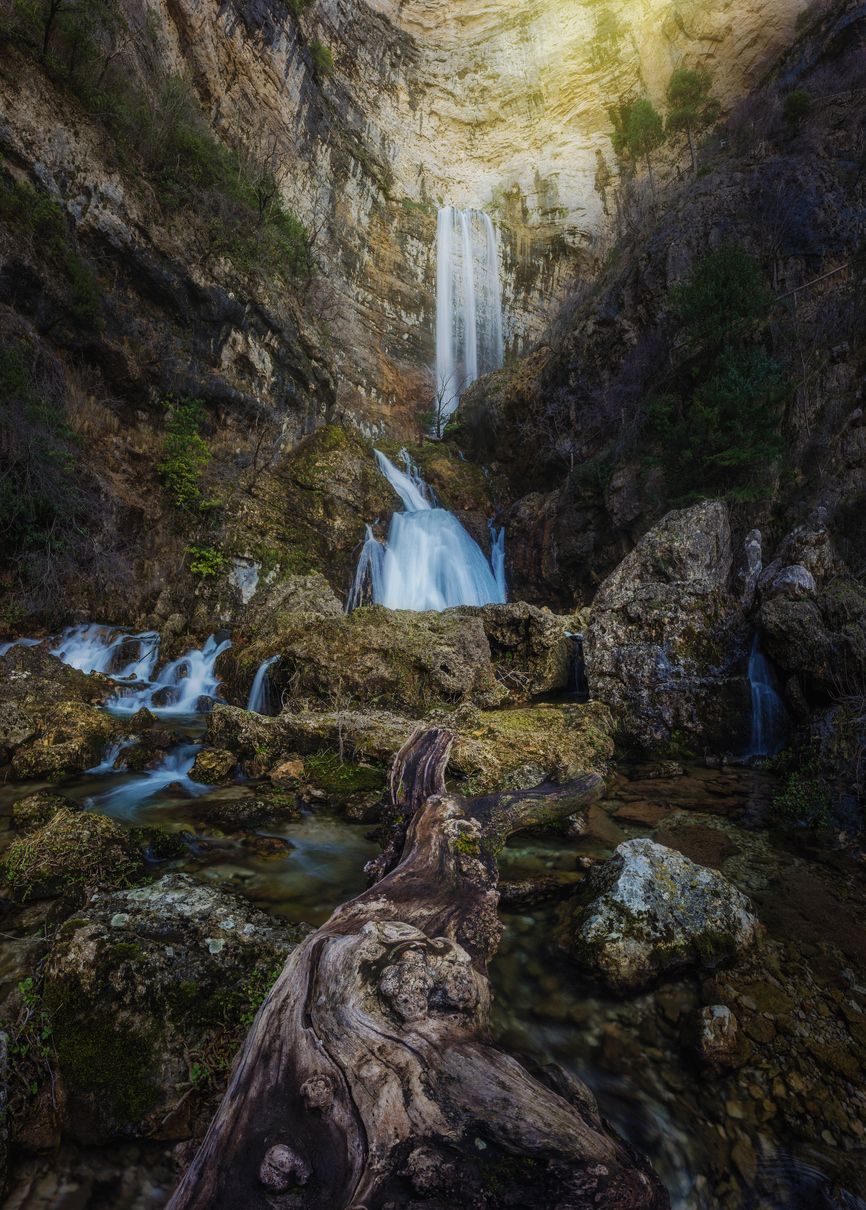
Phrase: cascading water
[468,304]
[259,700]
[429,561]
[769,716]
[173,770]
[187,685]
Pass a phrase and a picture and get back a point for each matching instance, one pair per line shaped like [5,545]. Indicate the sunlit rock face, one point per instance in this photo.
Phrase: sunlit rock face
[496,104]
[500,104]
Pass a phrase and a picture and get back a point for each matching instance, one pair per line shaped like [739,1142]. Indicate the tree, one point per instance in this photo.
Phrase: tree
[638,131]
[691,107]
[725,299]
[368,1077]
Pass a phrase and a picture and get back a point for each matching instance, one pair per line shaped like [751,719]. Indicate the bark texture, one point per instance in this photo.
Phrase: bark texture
[367,1079]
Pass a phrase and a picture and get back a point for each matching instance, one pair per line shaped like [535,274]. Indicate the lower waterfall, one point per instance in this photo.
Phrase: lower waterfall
[769,717]
[429,561]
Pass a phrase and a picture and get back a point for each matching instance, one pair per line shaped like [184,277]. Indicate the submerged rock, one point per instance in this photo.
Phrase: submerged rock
[719,1041]
[148,989]
[656,912]
[666,634]
[71,855]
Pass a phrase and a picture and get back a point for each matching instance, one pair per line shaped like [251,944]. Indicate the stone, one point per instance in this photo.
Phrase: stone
[287,772]
[16,726]
[719,1036]
[655,912]
[139,980]
[70,856]
[38,809]
[666,636]
[213,766]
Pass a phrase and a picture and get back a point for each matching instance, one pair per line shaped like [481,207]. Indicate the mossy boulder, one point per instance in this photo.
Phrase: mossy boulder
[667,638]
[72,738]
[655,912]
[150,992]
[72,855]
[350,751]
[36,810]
[374,657]
[213,766]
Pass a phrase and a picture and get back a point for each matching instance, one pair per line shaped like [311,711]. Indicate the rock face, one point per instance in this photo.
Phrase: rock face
[145,988]
[657,912]
[666,633]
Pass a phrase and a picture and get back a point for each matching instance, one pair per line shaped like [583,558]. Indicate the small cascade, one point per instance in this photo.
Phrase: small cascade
[173,770]
[261,693]
[577,682]
[120,654]
[769,716]
[469,338]
[429,561]
[109,762]
[188,685]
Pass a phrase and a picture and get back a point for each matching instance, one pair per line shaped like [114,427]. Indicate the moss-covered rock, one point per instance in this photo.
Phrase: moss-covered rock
[375,657]
[72,738]
[656,911]
[213,766]
[71,855]
[149,992]
[38,809]
[348,752]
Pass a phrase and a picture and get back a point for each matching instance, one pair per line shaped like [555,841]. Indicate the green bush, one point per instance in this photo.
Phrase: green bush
[205,561]
[717,430]
[323,59]
[185,454]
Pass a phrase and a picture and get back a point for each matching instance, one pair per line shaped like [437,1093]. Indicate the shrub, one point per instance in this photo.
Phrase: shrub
[323,59]
[205,561]
[185,454]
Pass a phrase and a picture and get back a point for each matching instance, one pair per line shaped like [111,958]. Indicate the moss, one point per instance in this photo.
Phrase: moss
[326,771]
[72,852]
[466,844]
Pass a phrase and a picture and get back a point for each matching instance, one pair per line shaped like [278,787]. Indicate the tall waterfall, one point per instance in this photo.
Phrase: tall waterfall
[429,561]
[769,716]
[468,304]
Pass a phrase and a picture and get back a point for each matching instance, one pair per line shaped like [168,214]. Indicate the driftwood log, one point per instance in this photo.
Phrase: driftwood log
[368,1080]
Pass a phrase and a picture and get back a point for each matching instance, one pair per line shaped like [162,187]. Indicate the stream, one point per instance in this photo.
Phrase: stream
[631,1051]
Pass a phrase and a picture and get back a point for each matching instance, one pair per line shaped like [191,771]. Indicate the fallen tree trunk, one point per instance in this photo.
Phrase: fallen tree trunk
[367,1079]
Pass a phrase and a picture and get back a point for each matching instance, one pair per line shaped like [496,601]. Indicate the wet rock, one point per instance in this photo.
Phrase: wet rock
[655,912]
[38,809]
[16,726]
[213,766]
[665,635]
[240,814]
[141,980]
[719,1043]
[71,855]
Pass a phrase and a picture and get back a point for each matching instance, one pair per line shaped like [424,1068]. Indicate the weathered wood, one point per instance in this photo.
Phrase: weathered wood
[367,1079]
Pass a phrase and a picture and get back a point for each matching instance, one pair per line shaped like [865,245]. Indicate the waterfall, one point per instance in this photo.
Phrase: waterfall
[259,700]
[769,716]
[468,304]
[429,561]
[185,686]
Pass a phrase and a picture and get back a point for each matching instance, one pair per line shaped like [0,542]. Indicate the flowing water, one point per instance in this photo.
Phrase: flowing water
[468,304]
[261,695]
[429,561]
[769,716]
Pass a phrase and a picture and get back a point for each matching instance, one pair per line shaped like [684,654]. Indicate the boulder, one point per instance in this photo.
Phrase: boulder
[667,637]
[494,749]
[655,912]
[71,855]
[530,648]
[72,737]
[36,810]
[150,992]
[213,766]
[374,656]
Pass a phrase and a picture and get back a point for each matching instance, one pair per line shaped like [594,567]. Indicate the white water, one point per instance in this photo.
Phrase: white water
[260,691]
[769,717]
[468,304]
[185,686]
[429,561]
[172,770]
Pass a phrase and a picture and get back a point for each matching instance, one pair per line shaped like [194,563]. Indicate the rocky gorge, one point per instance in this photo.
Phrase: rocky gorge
[432,776]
